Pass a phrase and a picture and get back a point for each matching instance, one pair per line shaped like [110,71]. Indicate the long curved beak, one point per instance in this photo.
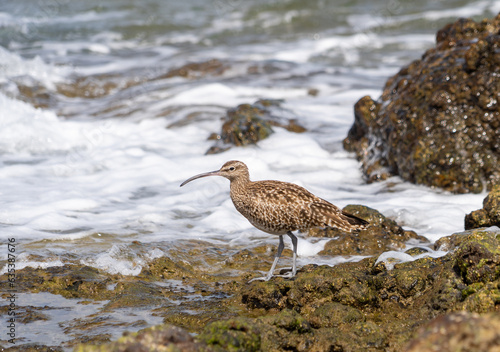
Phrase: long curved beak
[211,173]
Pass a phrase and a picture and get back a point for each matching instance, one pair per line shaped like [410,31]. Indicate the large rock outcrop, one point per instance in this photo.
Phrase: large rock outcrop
[489,214]
[438,120]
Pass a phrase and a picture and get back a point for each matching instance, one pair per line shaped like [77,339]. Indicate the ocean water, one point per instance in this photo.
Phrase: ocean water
[84,174]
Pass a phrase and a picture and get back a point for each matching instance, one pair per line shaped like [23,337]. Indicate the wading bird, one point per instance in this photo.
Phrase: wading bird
[279,208]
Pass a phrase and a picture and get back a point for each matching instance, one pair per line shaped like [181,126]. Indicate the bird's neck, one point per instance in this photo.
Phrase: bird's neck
[239,184]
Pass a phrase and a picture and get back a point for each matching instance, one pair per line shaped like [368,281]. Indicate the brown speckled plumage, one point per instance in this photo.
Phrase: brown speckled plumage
[280,207]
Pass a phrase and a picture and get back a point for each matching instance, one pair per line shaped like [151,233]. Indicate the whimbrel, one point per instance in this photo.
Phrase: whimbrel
[279,208]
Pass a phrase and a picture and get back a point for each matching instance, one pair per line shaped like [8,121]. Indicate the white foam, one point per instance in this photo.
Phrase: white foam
[391,258]
[13,65]
[117,260]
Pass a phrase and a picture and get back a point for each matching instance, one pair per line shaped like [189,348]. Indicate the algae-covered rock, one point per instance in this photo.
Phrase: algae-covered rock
[232,335]
[164,338]
[489,215]
[250,123]
[381,235]
[438,120]
[357,306]
[461,331]
[352,306]
[69,281]
[192,70]
[32,347]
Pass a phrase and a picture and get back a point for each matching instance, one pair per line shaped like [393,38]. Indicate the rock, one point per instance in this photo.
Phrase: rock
[489,215]
[198,70]
[157,338]
[353,306]
[33,347]
[286,330]
[248,124]
[461,331]
[232,335]
[381,235]
[359,306]
[438,120]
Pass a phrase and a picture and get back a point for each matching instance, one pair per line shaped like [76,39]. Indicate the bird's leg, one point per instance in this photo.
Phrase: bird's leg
[269,275]
[294,243]
[294,265]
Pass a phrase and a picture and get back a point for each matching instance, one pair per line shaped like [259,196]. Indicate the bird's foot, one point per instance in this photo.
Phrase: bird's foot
[290,274]
[263,278]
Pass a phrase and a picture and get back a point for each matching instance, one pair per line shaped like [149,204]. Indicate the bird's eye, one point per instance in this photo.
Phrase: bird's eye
[231,168]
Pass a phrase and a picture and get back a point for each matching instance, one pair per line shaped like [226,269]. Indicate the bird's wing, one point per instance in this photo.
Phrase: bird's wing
[327,214]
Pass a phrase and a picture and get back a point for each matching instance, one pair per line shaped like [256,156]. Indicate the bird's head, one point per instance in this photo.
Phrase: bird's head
[232,170]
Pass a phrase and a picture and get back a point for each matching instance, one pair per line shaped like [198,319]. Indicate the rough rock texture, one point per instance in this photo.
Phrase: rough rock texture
[165,338]
[460,331]
[353,306]
[489,215]
[365,307]
[438,120]
[248,124]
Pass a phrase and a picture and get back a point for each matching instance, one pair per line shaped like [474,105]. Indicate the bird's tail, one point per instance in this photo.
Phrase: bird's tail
[334,217]
[356,223]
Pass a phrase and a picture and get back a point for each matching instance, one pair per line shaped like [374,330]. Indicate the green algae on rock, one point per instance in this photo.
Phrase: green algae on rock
[460,331]
[249,123]
[353,306]
[489,215]
[438,120]
[165,338]
[387,305]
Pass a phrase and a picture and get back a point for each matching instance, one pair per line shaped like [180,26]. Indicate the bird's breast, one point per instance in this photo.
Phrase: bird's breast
[272,212]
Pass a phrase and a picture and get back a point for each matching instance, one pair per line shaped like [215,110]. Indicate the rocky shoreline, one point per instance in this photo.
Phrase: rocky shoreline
[368,305]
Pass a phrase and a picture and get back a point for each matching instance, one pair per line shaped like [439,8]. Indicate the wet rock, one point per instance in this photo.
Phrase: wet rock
[438,120]
[91,87]
[248,124]
[157,338]
[489,215]
[194,70]
[135,294]
[358,306]
[381,235]
[238,334]
[69,281]
[461,331]
[353,306]
[334,314]
[286,330]
[98,86]
[33,347]
[34,92]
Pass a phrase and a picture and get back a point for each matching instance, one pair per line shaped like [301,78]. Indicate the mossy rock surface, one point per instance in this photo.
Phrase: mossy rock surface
[249,123]
[489,214]
[353,306]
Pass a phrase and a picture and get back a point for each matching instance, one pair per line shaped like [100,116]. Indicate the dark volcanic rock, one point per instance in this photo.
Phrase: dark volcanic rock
[438,120]
[489,215]
[248,124]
